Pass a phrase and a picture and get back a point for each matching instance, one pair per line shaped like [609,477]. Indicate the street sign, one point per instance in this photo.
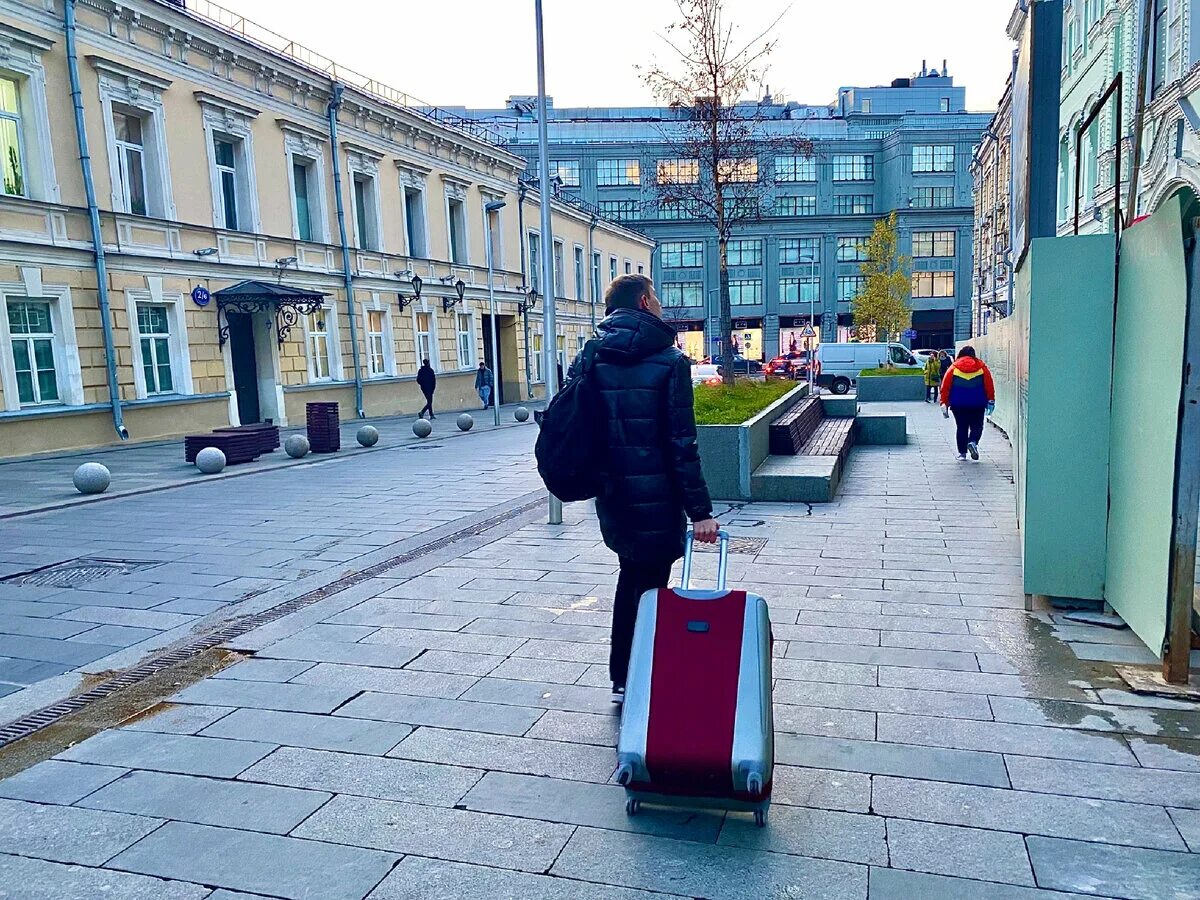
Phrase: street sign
[909,334]
[200,295]
[808,332]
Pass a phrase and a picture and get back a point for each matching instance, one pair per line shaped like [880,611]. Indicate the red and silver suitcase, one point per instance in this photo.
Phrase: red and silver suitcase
[697,728]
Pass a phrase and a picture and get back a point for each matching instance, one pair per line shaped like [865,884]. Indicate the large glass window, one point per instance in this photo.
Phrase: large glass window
[745,291]
[738,170]
[853,167]
[677,294]
[933,197]
[744,253]
[927,244]
[682,254]
[799,250]
[154,333]
[806,289]
[742,208]
[567,171]
[678,171]
[677,209]
[933,158]
[620,209]
[795,206]
[850,286]
[31,330]
[853,204]
[376,342]
[317,335]
[12,155]
[618,172]
[851,249]
[795,168]
[933,284]
[131,158]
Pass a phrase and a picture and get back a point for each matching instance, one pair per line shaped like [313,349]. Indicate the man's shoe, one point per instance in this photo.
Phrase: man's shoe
[973,449]
[618,694]
[961,456]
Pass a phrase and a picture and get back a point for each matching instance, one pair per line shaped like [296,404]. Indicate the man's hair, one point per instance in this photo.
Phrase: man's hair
[966,351]
[425,361]
[626,292]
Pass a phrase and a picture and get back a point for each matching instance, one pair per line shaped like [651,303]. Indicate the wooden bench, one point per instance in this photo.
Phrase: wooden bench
[265,434]
[832,437]
[795,427]
[238,448]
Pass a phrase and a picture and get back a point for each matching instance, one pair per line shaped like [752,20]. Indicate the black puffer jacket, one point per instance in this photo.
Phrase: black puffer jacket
[654,478]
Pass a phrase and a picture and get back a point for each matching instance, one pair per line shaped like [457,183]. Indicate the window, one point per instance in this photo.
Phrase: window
[154,338]
[681,294]
[738,171]
[376,342]
[426,346]
[225,152]
[806,289]
[641,269]
[366,212]
[799,250]
[456,216]
[494,234]
[618,172]
[595,276]
[795,168]
[851,249]
[1159,36]
[933,197]
[933,284]
[744,253]
[678,171]
[795,206]
[853,204]
[628,267]
[866,104]
[677,209]
[559,274]
[933,158]
[745,291]
[465,344]
[742,208]
[301,171]
[11,140]
[535,262]
[578,273]
[926,244]
[567,170]
[316,329]
[538,356]
[682,254]
[414,221]
[620,209]
[131,161]
[612,268]
[31,330]
[850,286]
[853,167]
[944,106]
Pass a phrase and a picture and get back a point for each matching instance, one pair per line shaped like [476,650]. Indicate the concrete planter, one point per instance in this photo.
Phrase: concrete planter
[891,387]
[730,453]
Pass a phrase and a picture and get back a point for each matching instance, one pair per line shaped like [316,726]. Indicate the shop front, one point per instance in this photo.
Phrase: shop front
[794,336]
[748,338]
[689,337]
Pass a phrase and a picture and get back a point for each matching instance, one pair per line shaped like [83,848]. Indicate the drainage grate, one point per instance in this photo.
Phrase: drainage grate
[75,572]
[34,722]
[736,545]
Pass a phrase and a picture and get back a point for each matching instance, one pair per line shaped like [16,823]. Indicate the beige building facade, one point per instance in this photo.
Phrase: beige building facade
[213,154]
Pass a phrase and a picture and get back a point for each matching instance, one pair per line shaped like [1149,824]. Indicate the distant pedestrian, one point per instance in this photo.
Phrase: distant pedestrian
[968,391]
[427,382]
[933,377]
[484,380]
[944,361]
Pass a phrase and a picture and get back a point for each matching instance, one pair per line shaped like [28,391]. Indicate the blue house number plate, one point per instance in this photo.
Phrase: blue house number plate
[200,295]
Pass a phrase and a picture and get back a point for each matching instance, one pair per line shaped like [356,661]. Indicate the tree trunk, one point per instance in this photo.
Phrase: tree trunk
[726,312]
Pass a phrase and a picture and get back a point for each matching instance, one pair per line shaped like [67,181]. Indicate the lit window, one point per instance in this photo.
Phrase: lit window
[933,284]
[853,167]
[683,294]
[376,342]
[154,335]
[744,253]
[851,249]
[738,170]
[31,329]
[12,160]
[745,292]
[795,206]
[932,243]
[316,328]
[465,332]
[682,254]
[853,204]
[567,170]
[933,158]
[678,171]
[426,348]
[618,172]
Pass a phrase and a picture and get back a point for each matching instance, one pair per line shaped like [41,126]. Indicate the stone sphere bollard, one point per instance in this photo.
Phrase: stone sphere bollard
[368,435]
[422,429]
[210,460]
[521,414]
[296,446]
[91,478]
[465,422]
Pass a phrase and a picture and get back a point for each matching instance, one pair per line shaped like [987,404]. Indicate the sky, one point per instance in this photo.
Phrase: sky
[477,52]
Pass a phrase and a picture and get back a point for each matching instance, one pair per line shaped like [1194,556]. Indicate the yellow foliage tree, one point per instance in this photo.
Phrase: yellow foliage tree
[881,311]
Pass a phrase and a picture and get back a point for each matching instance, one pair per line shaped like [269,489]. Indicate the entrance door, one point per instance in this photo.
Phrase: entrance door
[497,366]
[245,366]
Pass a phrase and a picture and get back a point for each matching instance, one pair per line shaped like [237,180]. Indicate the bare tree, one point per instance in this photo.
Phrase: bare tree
[714,143]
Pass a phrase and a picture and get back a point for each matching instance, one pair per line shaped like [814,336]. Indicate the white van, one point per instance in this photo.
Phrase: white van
[839,364]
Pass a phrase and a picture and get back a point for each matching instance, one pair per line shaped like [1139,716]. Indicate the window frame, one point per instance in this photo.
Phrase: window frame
[31,339]
[675,254]
[859,281]
[229,121]
[744,245]
[741,283]
[140,92]
[686,171]
[458,244]
[333,357]
[386,338]
[67,368]
[533,251]
[738,171]
[859,168]
[936,161]
[683,289]
[805,205]
[556,168]
[933,192]
[362,167]
[469,362]
[23,64]
[802,242]
[932,241]
[841,200]
[933,279]
[597,261]
[852,248]
[433,350]
[177,339]
[793,169]
[615,178]
[623,210]
[577,258]
[308,149]
[801,282]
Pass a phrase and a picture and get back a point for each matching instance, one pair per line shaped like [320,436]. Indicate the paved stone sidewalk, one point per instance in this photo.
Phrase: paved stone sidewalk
[447,733]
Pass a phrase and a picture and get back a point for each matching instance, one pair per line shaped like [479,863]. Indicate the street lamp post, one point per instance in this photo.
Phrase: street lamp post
[488,209]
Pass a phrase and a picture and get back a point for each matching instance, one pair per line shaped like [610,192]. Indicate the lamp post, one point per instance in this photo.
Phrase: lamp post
[488,209]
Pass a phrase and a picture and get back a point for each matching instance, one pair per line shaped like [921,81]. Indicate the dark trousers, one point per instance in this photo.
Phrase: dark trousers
[428,407]
[635,579]
[970,425]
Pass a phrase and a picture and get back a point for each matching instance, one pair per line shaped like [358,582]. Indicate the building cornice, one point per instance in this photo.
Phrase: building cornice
[12,36]
[126,72]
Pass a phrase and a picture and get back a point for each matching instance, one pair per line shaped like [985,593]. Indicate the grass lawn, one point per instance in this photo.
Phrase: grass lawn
[719,404]
[874,372]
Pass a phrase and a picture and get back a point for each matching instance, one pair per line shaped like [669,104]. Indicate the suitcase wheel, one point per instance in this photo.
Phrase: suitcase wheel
[632,806]
[760,817]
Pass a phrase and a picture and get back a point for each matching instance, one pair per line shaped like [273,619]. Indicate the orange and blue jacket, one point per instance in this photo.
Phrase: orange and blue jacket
[968,384]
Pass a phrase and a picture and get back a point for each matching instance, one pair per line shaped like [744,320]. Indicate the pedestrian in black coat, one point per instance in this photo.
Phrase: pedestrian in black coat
[427,382]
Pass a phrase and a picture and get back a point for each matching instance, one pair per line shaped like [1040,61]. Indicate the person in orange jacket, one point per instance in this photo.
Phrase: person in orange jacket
[969,393]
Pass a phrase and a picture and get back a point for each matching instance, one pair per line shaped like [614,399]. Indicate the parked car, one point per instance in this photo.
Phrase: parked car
[705,373]
[838,365]
[923,355]
[744,366]
[786,366]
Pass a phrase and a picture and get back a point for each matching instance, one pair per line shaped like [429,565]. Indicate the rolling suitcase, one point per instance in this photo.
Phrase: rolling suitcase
[697,728]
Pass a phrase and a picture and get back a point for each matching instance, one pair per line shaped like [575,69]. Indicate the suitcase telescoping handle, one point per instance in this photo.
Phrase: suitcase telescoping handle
[722,558]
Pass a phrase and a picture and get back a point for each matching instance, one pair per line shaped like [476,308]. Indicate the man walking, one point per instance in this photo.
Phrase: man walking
[653,479]
[483,384]
[968,391]
[427,382]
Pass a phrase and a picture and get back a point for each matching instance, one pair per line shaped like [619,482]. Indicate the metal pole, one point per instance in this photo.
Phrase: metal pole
[492,311]
[335,103]
[549,329]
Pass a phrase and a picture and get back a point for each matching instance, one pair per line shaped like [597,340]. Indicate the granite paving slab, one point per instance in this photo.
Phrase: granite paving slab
[1128,872]
[307,730]
[68,834]
[24,878]
[56,781]
[180,753]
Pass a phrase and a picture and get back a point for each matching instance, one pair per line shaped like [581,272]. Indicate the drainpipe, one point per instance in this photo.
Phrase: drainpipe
[89,187]
[592,272]
[334,105]
[521,191]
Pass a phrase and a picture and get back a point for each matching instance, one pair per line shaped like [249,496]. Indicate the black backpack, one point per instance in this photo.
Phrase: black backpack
[570,448]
